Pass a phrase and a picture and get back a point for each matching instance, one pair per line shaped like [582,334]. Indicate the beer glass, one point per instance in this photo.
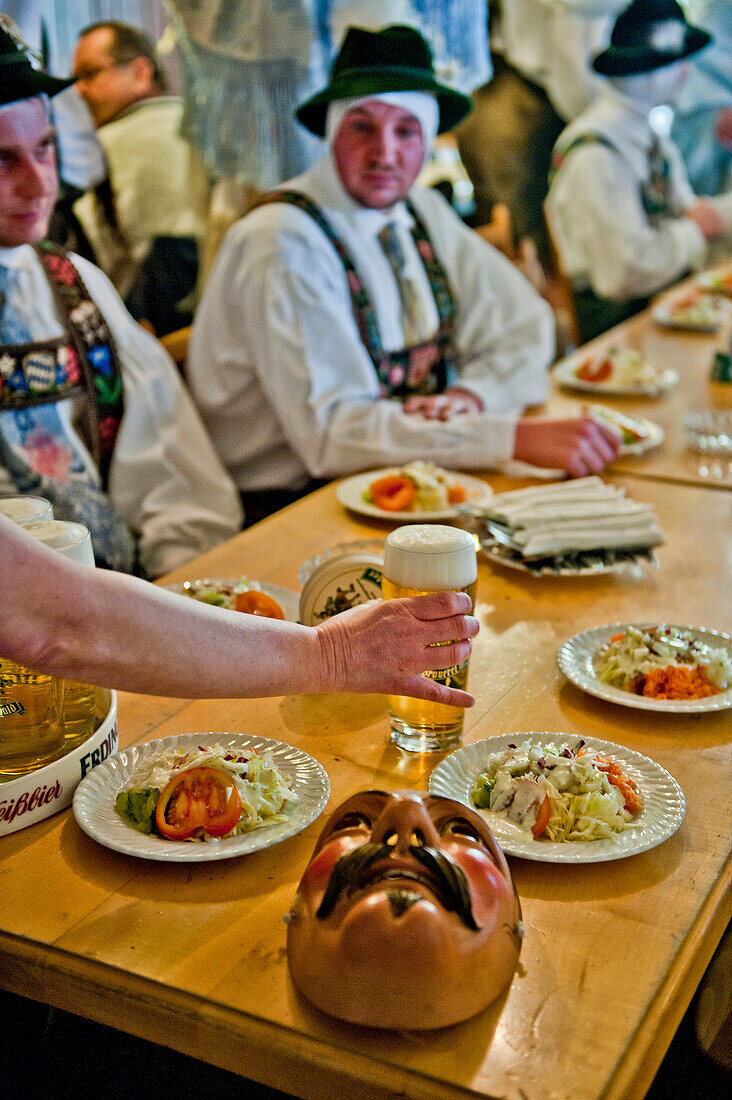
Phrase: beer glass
[24,510]
[418,559]
[41,716]
[73,541]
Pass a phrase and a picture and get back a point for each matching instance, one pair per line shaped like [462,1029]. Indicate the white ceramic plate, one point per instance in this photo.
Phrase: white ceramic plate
[289,601]
[663,314]
[95,796]
[652,434]
[578,656]
[564,373]
[712,281]
[350,494]
[663,800]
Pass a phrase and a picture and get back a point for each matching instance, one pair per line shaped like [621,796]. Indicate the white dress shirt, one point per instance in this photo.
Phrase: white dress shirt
[603,233]
[281,376]
[165,479]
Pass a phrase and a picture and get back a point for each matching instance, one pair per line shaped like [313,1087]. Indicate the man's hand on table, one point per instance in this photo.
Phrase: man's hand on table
[443,406]
[383,647]
[576,444]
[707,218]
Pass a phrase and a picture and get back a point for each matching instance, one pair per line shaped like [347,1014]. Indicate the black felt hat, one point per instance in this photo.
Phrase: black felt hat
[648,35]
[20,73]
[395,59]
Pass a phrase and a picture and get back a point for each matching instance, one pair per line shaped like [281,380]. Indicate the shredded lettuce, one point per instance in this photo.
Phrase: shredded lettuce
[263,790]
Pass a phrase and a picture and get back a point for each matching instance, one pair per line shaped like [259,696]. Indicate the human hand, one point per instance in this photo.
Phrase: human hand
[443,406]
[723,127]
[577,444]
[384,646]
[707,217]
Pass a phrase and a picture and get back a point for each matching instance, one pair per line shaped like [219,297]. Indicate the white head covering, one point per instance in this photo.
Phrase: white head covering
[649,90]
[423,105]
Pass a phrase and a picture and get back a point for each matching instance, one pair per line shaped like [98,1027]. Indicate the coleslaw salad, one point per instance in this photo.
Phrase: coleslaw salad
[263,790]
[551,791]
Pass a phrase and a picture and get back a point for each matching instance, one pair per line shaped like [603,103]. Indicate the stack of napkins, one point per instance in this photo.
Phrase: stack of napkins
[573,516]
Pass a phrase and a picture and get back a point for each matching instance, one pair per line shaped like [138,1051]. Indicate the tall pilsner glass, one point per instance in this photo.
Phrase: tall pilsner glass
[418,559]
[73,541]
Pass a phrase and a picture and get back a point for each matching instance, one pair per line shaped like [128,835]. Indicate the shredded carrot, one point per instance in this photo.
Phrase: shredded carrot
[678,682]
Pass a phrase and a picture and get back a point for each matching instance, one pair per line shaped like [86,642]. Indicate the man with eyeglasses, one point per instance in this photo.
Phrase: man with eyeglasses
[147,217]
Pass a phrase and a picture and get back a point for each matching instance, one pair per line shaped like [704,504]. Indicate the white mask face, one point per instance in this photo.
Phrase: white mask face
[649,90]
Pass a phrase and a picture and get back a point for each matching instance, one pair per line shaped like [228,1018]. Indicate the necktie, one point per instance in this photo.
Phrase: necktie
[656,192]
[412,314]
[34,440]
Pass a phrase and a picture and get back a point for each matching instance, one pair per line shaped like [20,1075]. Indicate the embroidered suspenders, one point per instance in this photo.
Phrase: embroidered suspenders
[84,360]
[655,191]
[425,368]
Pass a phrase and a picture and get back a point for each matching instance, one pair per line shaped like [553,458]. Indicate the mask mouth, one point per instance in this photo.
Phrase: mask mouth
[432,868]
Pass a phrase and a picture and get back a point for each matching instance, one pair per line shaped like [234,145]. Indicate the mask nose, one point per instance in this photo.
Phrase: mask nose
[404,822]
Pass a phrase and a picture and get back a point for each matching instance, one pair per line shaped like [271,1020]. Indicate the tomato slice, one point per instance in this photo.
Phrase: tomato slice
[457,494]
[592,371]
[258,603]
[393,493]
[198,799]
[542,816]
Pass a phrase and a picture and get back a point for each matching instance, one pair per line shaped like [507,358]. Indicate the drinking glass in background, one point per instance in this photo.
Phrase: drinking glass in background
[32,723]
[73,541]
[419,559]
[26,509]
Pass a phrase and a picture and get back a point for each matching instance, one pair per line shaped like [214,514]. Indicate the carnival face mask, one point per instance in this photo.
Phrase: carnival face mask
[406,916]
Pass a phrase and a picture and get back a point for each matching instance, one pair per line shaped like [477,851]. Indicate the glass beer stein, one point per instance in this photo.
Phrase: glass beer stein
[418,559]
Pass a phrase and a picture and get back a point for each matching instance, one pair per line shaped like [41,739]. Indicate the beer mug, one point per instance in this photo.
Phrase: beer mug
[418,559]
[24,510]
[73,541]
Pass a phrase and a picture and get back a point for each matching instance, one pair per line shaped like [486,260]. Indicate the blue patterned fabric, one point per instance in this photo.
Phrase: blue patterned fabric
[37,432]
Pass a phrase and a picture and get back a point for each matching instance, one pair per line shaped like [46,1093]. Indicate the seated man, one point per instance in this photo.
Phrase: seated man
[625,220]
[352,321]
[155,196]
[89,400]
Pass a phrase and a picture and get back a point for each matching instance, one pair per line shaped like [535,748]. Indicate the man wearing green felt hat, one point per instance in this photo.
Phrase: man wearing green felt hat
[625,220]
[352,320]
[93,414]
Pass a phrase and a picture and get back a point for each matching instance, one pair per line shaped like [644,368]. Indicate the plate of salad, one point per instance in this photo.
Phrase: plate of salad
[201,796]
[241,594]
[556,798]
[615,370]
[652,666]
[693,310]
[416,491]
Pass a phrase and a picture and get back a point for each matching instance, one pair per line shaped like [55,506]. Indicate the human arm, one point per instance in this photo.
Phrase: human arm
[165,479]
[578,444]
[275,345]
[117,631]
[504,330]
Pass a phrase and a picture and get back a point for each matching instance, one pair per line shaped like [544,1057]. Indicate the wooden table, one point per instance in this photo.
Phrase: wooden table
[691,355]
[193,956]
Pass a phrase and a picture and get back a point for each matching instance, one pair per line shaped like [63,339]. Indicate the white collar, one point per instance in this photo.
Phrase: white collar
[16,258]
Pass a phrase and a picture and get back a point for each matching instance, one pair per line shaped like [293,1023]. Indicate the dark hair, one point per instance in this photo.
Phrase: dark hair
[128,43]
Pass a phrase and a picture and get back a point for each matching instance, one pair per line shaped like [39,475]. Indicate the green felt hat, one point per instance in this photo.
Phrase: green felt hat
[395,59]
[648,35]
[20,74]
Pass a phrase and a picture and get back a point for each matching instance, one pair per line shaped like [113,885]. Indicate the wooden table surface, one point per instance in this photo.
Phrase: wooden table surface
[193,955]
[690,354]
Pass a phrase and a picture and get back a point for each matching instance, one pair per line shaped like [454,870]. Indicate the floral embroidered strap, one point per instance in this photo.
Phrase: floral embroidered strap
[425,368]
[47,371]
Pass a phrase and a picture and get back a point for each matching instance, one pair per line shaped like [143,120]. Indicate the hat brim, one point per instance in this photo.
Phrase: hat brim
[628,61]
[453,105]
[26,82]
